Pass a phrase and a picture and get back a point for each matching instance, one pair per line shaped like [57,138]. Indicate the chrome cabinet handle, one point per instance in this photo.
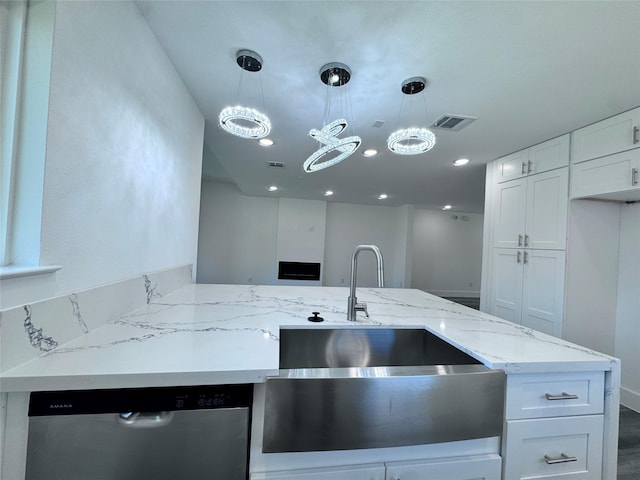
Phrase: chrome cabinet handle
[563,458]
[524,168]
[519,240]
[562,396]
[634,176]
[529,166]
[526,257]
[519,257]
[636,135]
[526,240]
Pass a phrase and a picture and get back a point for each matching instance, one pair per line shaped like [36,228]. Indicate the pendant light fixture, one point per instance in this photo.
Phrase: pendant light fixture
[333,75]
[242,121]
[414,140]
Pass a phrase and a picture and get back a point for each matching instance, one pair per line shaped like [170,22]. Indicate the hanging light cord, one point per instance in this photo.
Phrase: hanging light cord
[400,111]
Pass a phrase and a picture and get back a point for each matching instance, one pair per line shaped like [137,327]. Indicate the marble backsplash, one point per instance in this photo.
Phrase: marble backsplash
[30,330]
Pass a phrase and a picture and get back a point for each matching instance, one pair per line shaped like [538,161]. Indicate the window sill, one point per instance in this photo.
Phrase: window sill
[15,271]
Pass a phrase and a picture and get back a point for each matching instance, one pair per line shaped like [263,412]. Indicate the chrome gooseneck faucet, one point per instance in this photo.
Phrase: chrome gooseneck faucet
[352,302]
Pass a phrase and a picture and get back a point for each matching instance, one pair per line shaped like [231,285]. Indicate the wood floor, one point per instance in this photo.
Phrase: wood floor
[629,445]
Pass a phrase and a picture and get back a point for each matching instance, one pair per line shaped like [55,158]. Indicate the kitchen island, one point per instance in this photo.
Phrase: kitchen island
[224,334]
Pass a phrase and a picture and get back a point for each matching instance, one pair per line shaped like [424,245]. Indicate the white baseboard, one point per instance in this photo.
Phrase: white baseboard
[455,293]
[630,399]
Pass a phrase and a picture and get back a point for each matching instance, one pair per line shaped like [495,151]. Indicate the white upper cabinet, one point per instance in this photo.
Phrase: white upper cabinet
[546,218]
[549,155]
[615,177]
[509,213]
[613,135]
[532,212]
[540,158]
[513,166]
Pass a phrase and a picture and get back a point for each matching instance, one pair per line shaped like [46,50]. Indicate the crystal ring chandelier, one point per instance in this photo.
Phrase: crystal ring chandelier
[411,141]
[328,136]
[332,75]
[414,140]
[242,121]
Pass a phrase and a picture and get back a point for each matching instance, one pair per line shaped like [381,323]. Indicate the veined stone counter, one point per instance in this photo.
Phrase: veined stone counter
[215,334]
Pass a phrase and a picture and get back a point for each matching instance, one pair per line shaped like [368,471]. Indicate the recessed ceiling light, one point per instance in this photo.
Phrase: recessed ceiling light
[383,196]
[370,152]
[273,188]
[461,161]
[328,193]
[265,142]
[447,207]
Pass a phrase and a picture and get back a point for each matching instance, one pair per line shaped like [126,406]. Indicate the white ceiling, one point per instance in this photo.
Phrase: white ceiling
[528,70]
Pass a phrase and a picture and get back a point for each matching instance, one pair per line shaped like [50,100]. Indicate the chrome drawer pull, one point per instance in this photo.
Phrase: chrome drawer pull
[562,459]
[562,396]
[636,137]
[634,176]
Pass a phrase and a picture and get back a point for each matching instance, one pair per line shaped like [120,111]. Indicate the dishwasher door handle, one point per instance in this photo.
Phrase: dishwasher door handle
[144,419]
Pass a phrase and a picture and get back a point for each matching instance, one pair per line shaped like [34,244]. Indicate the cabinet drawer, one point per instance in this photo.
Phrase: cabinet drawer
[554,448]
[475,467]
[554,394]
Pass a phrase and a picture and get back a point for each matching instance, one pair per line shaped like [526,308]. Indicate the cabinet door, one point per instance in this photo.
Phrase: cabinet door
[476,467]
[510,214]
[549,155]
[354,472]
[512,166]
[546,217]
[506,291]
[609,136]
[543,290]
[616,177]
[557,448]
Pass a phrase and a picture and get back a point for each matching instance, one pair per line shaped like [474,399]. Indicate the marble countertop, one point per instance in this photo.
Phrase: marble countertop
[214,334]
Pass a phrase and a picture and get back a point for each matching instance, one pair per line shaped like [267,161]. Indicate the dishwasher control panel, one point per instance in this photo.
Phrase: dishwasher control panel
[74,402]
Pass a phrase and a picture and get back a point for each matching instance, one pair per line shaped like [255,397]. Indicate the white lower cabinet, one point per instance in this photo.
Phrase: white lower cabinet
[527,288]
[555,448]
[477,467]
[554,426]
[372,471]
[472,467]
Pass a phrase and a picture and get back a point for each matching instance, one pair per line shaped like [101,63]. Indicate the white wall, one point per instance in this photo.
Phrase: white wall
[242,238]
[238,237]
[627,339]
[447,252]
[592,274]
[350,225]
[124,150]
[301,232]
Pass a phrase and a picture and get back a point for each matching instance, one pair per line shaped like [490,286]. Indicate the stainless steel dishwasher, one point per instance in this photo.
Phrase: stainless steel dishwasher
[185,433]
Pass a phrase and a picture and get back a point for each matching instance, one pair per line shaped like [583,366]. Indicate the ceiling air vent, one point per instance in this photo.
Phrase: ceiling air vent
[275,164]
[452,122]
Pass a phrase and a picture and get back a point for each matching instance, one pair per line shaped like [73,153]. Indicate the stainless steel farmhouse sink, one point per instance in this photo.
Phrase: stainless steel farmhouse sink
[352,388]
